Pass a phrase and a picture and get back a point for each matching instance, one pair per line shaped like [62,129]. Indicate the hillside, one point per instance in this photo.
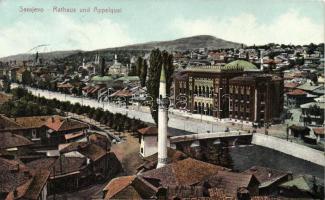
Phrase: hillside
[182,44]
[188,43]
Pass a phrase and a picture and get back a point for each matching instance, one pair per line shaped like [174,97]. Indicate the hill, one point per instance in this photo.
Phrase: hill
[182,44]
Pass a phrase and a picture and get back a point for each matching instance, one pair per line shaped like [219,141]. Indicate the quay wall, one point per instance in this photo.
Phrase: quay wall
[290,148]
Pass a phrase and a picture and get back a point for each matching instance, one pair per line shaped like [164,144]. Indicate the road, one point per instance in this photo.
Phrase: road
[177,120]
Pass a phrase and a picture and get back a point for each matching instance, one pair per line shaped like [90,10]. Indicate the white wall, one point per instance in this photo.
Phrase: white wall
[290,148]
[149,145]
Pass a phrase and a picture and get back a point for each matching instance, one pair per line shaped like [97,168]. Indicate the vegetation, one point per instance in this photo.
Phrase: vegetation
[159,59]
[141,70]
[26,104]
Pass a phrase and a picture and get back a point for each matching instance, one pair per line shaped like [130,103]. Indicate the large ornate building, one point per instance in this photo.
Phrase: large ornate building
[237,90]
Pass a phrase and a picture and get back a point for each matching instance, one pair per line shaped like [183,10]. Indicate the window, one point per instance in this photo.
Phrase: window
[141,150]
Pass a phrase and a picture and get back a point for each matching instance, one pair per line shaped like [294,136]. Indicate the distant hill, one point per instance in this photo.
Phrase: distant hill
[188,43]
[47,56]
[182,44]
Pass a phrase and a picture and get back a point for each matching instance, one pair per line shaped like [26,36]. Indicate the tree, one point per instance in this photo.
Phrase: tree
[143,73]
[157,60]
[6,85]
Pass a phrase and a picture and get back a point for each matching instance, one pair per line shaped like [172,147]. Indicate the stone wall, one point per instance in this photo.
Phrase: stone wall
[290,148]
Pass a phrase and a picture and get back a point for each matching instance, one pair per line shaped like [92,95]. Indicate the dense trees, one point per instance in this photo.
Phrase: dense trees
[141,69]
[25,104]
[157,60]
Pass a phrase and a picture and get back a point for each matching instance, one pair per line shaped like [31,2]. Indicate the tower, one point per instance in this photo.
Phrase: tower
[115,59]
[162,120]
[261,55]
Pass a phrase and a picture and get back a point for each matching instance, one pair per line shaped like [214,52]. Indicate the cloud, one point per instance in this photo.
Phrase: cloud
[287,28]
[62,33]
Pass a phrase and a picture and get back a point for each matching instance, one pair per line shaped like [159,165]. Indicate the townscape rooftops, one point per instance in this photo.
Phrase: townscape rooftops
[10,140]
[184,172]
[266,176]
[150,130]
[15,176]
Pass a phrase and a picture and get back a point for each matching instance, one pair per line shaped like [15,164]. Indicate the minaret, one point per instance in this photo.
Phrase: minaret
[115,59]
[261,55]
[162,120]
[83,63]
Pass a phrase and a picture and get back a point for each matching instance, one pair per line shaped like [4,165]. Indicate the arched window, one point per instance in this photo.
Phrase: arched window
[199,108]
[195,107]
[195,90]
[211,91]
[202,109]
[200,91]
[207,108]
[211,110]
[207,92]
[203,91]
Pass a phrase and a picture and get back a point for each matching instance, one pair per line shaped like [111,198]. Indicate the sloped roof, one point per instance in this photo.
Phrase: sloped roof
[117,184]
[230,182]
[150,130]
[266,176]
[8,124]
[10,140]
[185,172]
[304,183]
[58,123]
[32,122]
[91,151]
[297,92]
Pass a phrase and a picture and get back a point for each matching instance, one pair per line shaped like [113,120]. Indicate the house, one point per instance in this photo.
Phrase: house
[313,113]
[14,146]
[148,138]
[23,75]
[58,127]
[78,165]
[306,186]
[33,127]
[234,184]
[269,179]
[131,187]
[18,181]
[296,97]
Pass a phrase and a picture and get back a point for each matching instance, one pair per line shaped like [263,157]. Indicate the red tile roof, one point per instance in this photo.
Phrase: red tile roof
[319,131]
[291,85]
[118,184]
[58,123]
[150,130]
[8,124]
[297,92]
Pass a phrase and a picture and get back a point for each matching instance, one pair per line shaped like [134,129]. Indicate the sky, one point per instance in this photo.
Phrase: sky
[244,21]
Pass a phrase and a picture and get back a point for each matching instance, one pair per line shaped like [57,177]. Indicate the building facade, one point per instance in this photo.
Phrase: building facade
[236,91]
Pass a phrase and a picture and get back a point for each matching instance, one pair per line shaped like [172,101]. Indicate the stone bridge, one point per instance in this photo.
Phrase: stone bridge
[231,138]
